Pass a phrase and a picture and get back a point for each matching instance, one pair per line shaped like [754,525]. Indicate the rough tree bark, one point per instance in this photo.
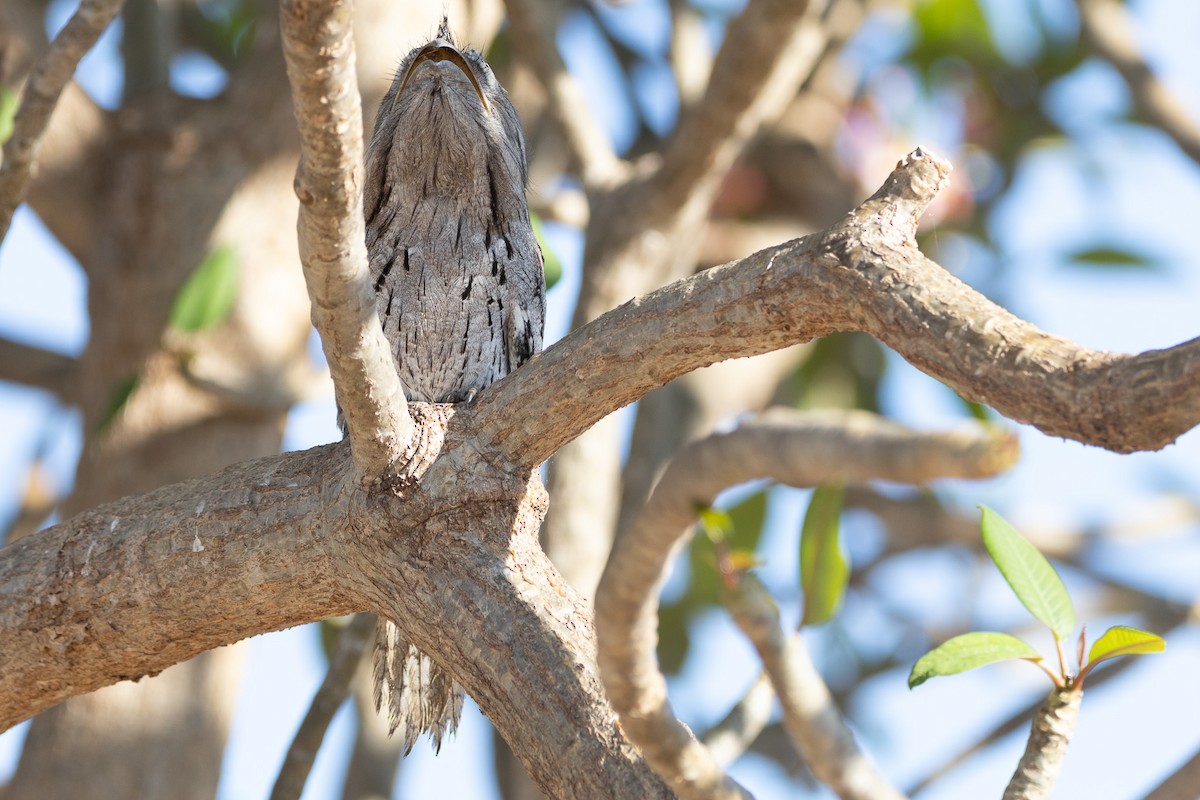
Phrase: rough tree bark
[443,531]
[165,179]
[298,537]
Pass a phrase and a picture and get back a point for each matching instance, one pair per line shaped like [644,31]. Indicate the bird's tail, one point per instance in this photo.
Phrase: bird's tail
[414,693]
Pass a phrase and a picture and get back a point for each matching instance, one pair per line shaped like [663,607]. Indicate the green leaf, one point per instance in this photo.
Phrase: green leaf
[551,264]
[823,570]
[116,402]
[951,28]
[967,652]
[978,411]
[1112,258]
[8,111]
[206,298]
[1121,640]
[673,638]
[746,519]
[742,527]
[1029,574]
[230,29]
[715,523]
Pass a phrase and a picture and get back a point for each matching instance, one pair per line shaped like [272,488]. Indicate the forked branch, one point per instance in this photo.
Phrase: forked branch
[795,449]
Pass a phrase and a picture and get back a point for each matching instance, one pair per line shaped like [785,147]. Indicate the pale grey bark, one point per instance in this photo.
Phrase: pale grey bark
[293,539]
[865,273]
[810,716]
[1053,724]
[319,48]
[796,449]
[325,546]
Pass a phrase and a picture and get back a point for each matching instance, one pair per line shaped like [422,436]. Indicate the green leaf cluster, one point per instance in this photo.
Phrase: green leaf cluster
[735,532]
[739,529]
[1039,588]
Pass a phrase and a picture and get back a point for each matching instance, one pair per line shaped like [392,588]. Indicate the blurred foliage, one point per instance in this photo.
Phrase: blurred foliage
[843,370]
[207,296]
[228,29]
[1000,104]
[551,263]
[742,527]
[8,110]
[117,400]
[1111,258]
[824,570]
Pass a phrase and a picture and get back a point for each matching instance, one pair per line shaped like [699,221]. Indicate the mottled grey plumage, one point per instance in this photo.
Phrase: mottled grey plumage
[458,281]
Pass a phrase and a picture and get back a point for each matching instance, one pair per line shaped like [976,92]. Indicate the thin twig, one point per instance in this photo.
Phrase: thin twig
[532,24]
[1108,26]
[769,50]
[319,48]
[46,82]
[353,641]
[800,450]
[810,716]
[1053,724]
[734,734]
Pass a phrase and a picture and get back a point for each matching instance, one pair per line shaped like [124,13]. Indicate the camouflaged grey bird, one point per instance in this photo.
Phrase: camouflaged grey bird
[458,282]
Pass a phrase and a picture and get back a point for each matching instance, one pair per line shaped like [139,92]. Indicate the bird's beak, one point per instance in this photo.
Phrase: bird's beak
[439,50]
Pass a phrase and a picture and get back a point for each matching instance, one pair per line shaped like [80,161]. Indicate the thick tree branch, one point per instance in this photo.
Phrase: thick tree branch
[132,587]
[865,274]
[1108,27]
[810,715]
[39,97]
[319,49]
[786,446]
